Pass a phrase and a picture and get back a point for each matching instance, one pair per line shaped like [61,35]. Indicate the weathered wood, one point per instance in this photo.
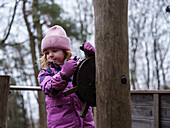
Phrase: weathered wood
[70,91]
[165,99]
[150,109]
[150,91]
[138,99]
[165,108]
[156,111]
[112,62]
[142,123]
[165,124]
[84,110]
[24,88]
[165,113]
[4,92]
[142,112]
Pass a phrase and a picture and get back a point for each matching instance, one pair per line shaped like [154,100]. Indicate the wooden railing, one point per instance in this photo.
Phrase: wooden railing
[149,108]
[31,88]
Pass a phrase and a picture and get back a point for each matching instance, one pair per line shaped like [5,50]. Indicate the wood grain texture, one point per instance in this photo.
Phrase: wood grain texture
[112,62]
[150,110]
[4,92]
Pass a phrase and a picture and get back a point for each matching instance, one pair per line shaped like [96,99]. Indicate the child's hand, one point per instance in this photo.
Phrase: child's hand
[69,68]
[76,58]
[88,48]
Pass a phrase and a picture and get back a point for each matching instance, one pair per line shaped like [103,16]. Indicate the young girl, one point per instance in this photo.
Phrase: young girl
[56,76]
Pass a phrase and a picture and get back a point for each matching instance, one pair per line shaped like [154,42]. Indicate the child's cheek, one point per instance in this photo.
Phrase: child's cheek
[61,59]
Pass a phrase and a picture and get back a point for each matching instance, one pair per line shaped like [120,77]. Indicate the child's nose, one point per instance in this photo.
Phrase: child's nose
[51,54]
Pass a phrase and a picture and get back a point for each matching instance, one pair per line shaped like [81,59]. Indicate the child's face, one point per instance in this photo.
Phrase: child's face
[56,55]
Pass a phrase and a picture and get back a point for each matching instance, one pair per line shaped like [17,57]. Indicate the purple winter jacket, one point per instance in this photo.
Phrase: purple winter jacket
[62,111]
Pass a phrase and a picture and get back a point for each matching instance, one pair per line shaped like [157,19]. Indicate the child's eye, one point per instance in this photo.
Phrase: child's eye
[47,53]
[54,50]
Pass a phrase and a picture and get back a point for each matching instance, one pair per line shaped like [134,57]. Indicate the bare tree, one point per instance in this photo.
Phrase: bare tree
[147,28]
[34,58]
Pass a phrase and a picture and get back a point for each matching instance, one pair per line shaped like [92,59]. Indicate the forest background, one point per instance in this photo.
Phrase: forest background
[23,24]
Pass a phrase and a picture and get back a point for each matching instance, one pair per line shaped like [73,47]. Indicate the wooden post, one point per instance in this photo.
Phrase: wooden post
[112,64]
[4,92]
[156,111]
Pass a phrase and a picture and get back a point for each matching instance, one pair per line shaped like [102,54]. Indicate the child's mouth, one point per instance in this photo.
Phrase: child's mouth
[50,60]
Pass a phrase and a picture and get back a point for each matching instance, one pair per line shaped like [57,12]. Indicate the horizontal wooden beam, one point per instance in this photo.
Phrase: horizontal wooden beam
[37,88]
[32,88]
[150,91]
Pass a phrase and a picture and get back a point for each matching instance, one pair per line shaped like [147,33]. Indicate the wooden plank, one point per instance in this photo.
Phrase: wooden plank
[32,88]
[156,111]
[165,99]
[141,99]
[165,113]
[142,112]
[142,123]
[165,124]
[70,91]
[37,88]
[4,92]
[150,91]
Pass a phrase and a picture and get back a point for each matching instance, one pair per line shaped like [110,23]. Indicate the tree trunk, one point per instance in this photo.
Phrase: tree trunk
[148,66]
[156,64]
[42,123]
[4,91]
[41,96]
[112,62]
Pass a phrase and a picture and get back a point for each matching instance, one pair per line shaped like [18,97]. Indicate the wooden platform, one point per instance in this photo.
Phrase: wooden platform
[150,109]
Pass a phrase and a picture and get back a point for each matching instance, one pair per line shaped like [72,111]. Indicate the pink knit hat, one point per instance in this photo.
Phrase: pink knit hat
[56,38]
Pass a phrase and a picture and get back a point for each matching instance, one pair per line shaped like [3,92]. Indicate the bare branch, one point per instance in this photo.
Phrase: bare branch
[10,25]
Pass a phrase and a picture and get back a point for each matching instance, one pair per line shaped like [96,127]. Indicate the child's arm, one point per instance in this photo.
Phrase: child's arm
[53,85]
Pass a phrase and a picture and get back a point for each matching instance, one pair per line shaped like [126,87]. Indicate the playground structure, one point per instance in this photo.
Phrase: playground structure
[149,109]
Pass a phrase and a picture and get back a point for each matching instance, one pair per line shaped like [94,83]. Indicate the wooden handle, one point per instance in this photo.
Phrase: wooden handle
[70,91]
[84,110]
